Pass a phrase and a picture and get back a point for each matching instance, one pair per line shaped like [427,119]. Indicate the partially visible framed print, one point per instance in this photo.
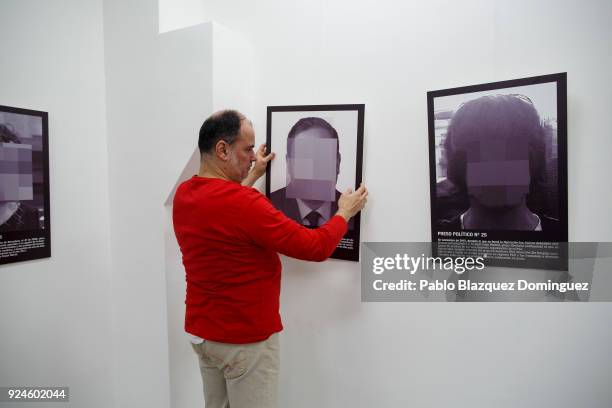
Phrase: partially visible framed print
[319,150]
[25,227]
[498,171]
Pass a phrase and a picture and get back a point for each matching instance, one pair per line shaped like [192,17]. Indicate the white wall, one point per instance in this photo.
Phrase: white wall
[337,351]
[55,313]
[145,101]
[177,14]
[159,90]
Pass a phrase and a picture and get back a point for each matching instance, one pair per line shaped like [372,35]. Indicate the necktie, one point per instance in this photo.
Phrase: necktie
[313,218]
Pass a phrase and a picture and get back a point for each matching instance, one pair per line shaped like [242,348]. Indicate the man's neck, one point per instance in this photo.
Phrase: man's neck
[313,204]
[324,209]
[513,218]
[211,170]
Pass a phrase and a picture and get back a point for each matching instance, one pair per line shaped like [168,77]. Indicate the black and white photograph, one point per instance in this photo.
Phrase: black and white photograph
[24,181]
[318,156]
[498,169]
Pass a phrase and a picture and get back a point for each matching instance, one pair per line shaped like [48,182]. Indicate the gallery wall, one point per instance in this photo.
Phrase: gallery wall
[337,351]
[123,120]
[55,313]
[150,105]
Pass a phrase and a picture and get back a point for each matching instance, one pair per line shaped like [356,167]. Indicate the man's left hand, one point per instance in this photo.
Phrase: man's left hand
[261,162]
[259,166]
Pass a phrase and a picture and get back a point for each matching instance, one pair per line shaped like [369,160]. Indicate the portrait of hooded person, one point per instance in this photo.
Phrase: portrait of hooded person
[495,150]
[16,183]
[310,196]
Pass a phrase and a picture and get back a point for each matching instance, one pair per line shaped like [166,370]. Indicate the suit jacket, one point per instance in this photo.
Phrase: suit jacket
[289,206]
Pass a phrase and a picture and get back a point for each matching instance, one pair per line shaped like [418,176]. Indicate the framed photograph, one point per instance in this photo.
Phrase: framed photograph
[25,227]
[498,171]
[319,154]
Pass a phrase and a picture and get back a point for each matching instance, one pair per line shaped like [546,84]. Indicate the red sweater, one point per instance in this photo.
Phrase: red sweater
[229,236]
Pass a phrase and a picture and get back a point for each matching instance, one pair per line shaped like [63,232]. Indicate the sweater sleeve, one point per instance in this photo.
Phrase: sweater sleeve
[271,229]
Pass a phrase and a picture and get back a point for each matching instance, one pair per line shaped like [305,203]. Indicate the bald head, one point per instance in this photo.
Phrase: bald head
[221,125]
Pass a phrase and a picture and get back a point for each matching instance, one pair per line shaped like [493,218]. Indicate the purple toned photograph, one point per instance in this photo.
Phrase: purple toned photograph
[24,185]
[498,162]
[319,154]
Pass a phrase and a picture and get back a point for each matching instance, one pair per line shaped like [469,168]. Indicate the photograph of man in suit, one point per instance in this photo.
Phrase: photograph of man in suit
[313,164]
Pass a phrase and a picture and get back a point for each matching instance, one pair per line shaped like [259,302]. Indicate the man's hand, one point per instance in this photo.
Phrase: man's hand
[259,166]
[261,162]
[351,202]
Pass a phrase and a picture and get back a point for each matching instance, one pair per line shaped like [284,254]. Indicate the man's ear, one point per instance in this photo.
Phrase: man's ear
[222,150]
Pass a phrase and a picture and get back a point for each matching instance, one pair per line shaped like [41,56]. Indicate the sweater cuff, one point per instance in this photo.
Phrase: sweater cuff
[341,222]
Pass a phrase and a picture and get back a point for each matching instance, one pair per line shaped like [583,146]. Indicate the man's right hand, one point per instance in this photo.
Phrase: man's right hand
[351,202]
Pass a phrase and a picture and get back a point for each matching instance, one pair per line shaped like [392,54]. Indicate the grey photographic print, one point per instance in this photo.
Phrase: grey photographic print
[319,151]
[498,170]
[24,185]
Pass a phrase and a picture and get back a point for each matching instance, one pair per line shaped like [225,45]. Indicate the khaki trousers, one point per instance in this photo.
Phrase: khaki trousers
[240,375]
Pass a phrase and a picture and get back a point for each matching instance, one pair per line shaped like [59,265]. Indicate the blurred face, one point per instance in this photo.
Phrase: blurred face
[15,172]
[313,164]
[242,153]
[498,172]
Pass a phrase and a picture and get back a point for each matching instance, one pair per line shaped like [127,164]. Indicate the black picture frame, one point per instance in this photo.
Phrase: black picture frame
[348,249]
[478,242]
[24,241]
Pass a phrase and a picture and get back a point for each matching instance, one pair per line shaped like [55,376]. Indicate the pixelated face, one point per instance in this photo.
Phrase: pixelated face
[16,172]
[313,164]
[498,172]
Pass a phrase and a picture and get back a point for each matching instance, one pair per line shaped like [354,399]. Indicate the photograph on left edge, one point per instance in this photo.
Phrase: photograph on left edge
[24,179]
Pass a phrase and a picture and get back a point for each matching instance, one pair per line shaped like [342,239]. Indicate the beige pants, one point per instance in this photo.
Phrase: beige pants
[240,375]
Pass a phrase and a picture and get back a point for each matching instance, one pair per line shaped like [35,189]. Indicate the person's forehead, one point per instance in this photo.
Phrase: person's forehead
[495,150]
[314,133]
[314,148]
[247,133]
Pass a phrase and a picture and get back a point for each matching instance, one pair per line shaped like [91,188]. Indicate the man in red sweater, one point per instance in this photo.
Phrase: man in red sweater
[230,236]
